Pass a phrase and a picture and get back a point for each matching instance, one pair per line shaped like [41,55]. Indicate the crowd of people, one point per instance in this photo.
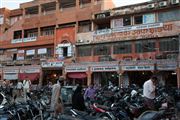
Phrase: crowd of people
[17,89]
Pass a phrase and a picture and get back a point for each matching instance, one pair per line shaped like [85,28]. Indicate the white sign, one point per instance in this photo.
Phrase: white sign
[129,68]
[1,19]
[29,39]
[103,31]
[166,67]
[10,76]
[30,52]
[30,70]
[52,64]
[20,51]
[20,40]
[104,68]
[17,41]
[42,51]
[10,71]
[138,27]
[76,69]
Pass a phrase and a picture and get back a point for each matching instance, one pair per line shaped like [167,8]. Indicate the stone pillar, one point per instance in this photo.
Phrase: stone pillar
[41,77]
[89,78]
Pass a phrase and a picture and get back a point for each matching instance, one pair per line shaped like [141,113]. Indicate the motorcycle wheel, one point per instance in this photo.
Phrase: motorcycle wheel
[104,117]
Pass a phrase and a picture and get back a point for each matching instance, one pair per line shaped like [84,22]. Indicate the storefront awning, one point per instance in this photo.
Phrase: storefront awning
[77,75]
[31,76]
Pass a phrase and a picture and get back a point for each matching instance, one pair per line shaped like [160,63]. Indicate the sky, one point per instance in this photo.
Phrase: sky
[14,4]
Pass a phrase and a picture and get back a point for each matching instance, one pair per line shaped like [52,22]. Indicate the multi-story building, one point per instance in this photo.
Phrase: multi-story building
[131,43]
[40,36]
[86,42]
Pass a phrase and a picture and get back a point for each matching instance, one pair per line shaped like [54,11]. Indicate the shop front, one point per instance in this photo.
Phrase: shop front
[167,72]
[76,74]
[104,74]
[51,70]
[30,72]
[136,74]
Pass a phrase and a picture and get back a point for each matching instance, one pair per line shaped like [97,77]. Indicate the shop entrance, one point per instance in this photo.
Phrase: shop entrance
[51,76]
[75,78]
[139,77]
[103,78]
[170,78]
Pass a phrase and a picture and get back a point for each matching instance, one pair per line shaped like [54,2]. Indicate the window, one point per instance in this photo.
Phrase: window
[32,10]
[101,50]
[84,1]
[169,44]
[17,34]
[169,15]
[138,19]
[67,3]
[145,46]
[149,18]
[122,48]
[85,26]
[31,33]
[84,51]
[46,31]
[126,21]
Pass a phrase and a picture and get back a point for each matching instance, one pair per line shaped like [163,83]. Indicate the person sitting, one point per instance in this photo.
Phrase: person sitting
[78,99]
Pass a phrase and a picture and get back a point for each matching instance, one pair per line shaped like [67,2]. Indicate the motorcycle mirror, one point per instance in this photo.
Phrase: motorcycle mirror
[112,105]
[1,106]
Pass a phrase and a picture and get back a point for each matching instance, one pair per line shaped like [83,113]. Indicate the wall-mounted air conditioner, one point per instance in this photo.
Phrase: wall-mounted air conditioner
[151,6]
[80,41]
[174,2]
[163,4]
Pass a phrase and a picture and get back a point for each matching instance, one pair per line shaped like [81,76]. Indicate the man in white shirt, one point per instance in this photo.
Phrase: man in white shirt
[26,88]
[149,92]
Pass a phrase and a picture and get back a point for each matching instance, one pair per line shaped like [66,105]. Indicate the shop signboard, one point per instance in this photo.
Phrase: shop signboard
[20,55]
[52,64]
[10,73]
[104,68]
[20,40]
[30,70]
[138,68]
[166,67]
[76,69]
[42,51]
[144,31]
[29,39]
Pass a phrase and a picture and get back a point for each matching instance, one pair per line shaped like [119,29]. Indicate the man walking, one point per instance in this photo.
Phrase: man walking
[26,88]
[149,92]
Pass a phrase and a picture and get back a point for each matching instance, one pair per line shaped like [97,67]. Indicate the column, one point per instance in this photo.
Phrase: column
[39,10]
[41,78]
[89,80]
[77,4]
